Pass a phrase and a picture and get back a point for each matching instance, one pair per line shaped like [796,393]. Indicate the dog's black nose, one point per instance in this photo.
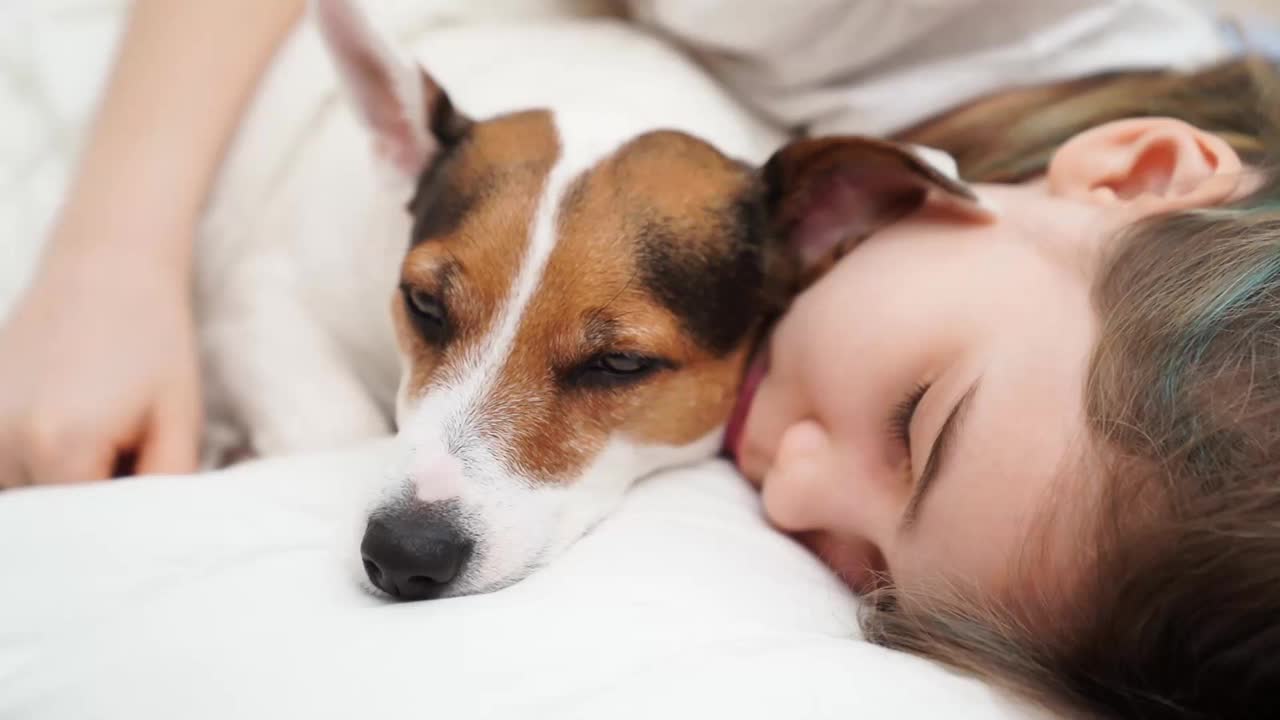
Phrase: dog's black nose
[413,552]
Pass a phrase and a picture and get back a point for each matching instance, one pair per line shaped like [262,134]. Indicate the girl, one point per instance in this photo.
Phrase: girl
[1049,447]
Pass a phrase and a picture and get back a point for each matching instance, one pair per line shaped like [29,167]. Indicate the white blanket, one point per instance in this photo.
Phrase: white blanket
[237,595]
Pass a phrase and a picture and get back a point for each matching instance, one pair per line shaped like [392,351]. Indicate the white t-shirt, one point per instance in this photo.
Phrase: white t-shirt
[877,66]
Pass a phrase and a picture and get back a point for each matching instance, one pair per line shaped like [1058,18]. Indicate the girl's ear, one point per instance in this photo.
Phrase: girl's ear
[1149,166]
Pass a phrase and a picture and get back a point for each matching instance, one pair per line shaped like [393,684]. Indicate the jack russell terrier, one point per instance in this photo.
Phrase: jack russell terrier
[577,279]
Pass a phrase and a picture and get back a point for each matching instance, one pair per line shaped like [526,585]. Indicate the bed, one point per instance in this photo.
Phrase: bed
[236,594]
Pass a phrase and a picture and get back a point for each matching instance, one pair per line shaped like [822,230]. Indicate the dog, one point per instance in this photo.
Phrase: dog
[583,241]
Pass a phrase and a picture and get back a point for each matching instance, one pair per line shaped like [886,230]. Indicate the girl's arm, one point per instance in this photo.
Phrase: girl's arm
[98,365]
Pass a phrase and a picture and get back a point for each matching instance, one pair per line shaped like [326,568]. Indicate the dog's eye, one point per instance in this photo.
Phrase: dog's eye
[623,364]
[427,307]
[428,313]
[614,369]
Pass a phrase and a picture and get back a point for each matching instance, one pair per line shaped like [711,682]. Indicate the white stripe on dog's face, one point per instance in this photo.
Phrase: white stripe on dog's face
[513,516]
[589,301]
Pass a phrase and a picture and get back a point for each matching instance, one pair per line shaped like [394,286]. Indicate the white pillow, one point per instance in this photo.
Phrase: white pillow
[236,595]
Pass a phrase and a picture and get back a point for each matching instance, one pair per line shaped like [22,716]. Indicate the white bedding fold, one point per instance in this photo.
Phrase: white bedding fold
[236,595]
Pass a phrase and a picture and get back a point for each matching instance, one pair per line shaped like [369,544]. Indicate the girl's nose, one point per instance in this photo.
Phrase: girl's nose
[814,487]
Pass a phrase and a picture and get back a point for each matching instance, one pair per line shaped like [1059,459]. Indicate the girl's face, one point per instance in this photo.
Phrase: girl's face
[926,395]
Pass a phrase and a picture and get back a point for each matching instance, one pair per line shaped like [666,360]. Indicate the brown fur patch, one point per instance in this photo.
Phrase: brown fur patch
[593,280]
[663,201]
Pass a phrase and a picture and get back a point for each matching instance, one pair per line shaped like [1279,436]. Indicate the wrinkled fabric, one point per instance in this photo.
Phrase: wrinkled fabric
[878,66]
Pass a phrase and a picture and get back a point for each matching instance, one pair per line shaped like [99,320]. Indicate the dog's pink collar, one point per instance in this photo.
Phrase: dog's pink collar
[757,368]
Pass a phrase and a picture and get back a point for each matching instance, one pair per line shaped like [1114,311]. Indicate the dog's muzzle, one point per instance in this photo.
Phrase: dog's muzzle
[413,550]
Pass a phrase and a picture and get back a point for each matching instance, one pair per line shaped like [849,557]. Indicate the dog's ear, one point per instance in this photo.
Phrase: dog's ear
[825,195]
[408,113]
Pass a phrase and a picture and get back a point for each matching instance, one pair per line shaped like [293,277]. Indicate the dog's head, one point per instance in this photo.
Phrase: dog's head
[576,307]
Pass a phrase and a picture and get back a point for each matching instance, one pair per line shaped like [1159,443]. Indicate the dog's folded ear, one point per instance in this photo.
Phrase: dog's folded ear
[409,114]
[825,195]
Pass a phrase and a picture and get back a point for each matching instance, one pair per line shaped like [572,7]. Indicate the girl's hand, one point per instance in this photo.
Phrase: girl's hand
[98,370]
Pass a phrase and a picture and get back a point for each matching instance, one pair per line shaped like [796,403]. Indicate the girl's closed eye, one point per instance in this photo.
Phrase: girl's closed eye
[903,415]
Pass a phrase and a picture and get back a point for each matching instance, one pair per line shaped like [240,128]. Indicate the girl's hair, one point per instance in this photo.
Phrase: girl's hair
[1178,611]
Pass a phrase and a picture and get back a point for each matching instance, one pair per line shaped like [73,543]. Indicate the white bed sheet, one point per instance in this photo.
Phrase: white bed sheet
[235,595]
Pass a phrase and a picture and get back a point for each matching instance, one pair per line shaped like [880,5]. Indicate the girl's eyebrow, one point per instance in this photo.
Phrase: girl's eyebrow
[942,449]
